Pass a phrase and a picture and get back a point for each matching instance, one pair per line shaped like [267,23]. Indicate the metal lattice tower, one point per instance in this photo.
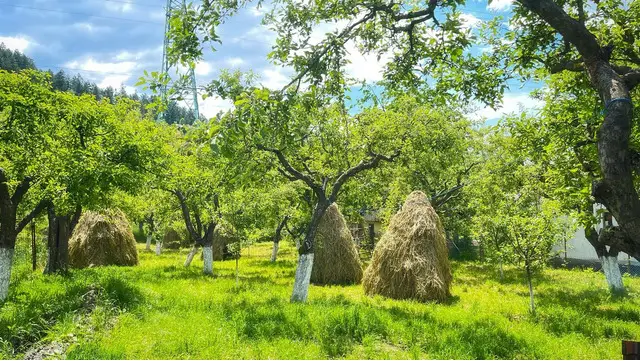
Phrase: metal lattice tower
[191,93]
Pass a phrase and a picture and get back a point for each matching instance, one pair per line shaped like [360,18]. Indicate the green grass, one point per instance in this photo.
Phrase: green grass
[162,310]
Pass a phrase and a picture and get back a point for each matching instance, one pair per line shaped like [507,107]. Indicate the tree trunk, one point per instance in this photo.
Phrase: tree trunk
[274,253]
[6,260]
[149,237]
[237,271]
[190,256]
[158,246]
[616,190]
[608,261]
[58,235]
[532,306]
[34,250]
[501,271]
[303,278]
[305,259]
[612,274]
[277,237]
[58,243]
[207,255]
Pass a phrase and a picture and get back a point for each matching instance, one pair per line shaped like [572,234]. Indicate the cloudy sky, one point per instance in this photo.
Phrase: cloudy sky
[111,42]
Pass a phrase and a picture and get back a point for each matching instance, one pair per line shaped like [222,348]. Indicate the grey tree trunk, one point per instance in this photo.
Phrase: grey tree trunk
[612,273]
[158,247]
[6,260]
[501,272]
[302,278]
[274,253]
[149,237]
[532,305]
[190,256]
[207,255]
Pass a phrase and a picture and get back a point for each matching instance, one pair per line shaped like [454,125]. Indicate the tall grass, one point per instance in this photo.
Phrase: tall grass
[163,310]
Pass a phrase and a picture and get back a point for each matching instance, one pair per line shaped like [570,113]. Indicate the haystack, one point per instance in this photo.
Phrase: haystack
[336,259]
[102,239]
[411,260]
[172,239]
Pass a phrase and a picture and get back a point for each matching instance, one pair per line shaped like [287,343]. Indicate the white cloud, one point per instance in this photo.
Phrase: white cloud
[259,34]
[234,62]
[126,55]
[365,66]
[19,43]
[213,105]
[511,103]
[500,5]
[90,64]
[90,28]
[274,78]
[203,68]
[114,81]
[119,7]
[469,21]
[258,12]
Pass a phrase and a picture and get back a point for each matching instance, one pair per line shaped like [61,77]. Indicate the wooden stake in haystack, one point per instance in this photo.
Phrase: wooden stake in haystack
[411,259]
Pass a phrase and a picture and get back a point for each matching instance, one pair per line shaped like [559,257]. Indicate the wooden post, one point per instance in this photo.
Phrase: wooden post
[34,251]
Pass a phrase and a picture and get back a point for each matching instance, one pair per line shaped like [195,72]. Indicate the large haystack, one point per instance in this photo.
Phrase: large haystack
[101,240]
[172,239]
[411,260]
[336,259]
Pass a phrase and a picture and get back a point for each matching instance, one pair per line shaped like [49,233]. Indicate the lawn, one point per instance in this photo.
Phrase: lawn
[161,310]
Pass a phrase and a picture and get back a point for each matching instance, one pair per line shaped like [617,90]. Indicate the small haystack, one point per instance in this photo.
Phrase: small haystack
[411,260]
[102,240]
[172,239]
[336,259]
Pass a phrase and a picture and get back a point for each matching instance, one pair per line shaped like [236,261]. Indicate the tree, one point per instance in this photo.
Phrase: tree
[311,139]
[513,212]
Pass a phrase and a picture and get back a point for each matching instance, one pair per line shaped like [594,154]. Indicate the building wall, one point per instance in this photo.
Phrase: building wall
[579,248]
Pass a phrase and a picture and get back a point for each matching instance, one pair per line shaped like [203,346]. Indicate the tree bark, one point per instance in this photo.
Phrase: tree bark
[302,278]
[34,250]
[207,255]
[6,260]
[190,256]
[158,246]
[60,231]
[608,261]
[277,237]
[532,306]
[148,246]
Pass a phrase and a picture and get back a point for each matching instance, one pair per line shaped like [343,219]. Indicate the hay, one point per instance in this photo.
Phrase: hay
[101,240]
[411,260]
[336,259]
[172,239]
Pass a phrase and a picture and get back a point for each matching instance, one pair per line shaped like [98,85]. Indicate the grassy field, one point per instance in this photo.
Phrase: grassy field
[162,310]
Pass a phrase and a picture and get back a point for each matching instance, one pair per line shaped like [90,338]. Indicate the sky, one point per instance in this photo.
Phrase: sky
[112,42]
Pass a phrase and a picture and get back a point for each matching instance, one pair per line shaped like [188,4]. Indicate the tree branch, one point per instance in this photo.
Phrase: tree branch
[33,214]
[21,190]
[362,166]
[294,173]
[185,214]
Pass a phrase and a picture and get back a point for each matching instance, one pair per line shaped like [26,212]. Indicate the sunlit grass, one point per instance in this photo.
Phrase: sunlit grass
[163,310]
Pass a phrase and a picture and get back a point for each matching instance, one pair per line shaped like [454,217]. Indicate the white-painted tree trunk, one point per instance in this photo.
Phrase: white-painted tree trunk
[190,256]
[158,247]
[207,255]
[612,273]
[149,237]
[274,253]
[6,260]
[303,277]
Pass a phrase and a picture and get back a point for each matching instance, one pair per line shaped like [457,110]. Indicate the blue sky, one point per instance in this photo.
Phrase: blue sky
[111,42]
